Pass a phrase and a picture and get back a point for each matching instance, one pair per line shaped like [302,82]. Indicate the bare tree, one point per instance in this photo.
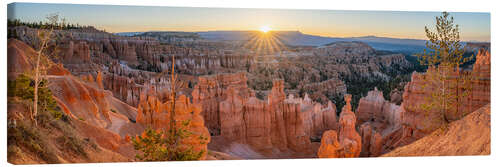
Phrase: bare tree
[42,60]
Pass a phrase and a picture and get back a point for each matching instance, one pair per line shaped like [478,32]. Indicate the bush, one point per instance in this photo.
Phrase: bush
[23,87]
[25,136]
[157,145]
[72,143]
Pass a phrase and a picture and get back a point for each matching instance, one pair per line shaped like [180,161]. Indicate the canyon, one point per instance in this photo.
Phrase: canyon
[239,104]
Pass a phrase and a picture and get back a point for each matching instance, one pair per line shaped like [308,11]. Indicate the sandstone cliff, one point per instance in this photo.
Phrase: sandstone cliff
[423,122]
[379,122]
[276,124]
[385,126]
[156,114]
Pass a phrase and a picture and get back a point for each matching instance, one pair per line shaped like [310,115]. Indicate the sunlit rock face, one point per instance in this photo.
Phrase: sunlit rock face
[211,90]
[347,142]
[80,98]
[375,108]
[94,112]
[129,63]
[481,89]
[382,122]
[470,135]
[156,114]
[378,121]
[233,112]
[419,123]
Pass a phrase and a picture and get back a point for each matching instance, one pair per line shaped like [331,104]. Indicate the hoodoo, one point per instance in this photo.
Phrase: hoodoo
[346,143]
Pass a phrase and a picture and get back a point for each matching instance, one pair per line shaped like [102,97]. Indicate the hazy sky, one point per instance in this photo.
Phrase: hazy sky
[333,23]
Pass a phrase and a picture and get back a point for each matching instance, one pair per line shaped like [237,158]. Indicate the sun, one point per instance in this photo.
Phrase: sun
[265,29]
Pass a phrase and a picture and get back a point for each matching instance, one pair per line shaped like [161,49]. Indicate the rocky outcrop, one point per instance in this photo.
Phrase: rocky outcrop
[19,58]
[473,89]
[265,125]
[156,114]
[348,142]
[470,135]
[374,108]
[280,123]
[481,84]
[399,126]
[144,53]
[322,90]
[95,113]
[357,59]
[75,52]
[211,90]
[122,87]
[379,123]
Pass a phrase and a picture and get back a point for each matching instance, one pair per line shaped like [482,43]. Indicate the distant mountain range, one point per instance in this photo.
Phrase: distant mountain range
[297,38]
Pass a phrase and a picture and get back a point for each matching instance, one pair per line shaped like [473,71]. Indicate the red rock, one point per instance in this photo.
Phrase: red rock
[470,135]
[330,146]
[98,80]
[348,144]
[210,91]
[278,123]
[75,52]
[378,121]
[232,120]
[152,112]
[419,123]
[18,60]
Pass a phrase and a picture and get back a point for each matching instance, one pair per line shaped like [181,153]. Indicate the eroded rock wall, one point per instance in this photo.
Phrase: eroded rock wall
[157,114]
[234,112]
[377,120]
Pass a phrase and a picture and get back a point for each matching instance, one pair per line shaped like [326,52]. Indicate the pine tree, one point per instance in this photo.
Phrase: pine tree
[443,57]
[158,145]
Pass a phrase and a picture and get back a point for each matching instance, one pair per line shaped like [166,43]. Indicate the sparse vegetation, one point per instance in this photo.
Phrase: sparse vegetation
[22,87]
[160,145]
[43,139]
[444,55]
[25,136]
[157,145]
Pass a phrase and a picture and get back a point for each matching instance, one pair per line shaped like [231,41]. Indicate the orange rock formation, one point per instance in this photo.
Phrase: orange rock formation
[155,113]
[234,113]
[348,142]
[422,123]
[470,135]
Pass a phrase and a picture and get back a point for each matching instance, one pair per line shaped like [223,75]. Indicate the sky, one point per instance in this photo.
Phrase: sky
[330,23]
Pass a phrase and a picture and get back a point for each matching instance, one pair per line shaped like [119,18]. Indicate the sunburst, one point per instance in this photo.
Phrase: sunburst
[266,41]
[265,29]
